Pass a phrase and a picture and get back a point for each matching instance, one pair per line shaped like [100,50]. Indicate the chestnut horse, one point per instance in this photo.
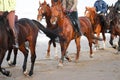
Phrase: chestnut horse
[114,20]
[67,32]
[27,30]
[97,24]
[44,11]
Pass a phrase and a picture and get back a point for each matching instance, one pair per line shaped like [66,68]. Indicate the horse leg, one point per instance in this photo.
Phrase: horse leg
[3,70]
[111,41]
[33,57]
[104,39]
[55,50]
[64,46]
[15,56]
[10,63]
[48,50]
[96,41]
[77,41]
[90,40]
[8,56]
[25,52]
[119,44]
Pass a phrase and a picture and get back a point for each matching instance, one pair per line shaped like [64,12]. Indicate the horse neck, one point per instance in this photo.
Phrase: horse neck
[47,17]
[61,18]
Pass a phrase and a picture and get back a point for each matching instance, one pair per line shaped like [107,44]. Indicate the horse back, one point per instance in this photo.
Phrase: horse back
[86,26]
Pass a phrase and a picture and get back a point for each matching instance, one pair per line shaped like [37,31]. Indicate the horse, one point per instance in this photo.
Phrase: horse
[27,30]
[114,20]
[5,41]
[44,11]
[99,25]
[67,32]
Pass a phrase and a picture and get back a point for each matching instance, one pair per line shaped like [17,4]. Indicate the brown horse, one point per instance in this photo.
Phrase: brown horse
[5,41]
[98,26]
[28,31]
[114,20]
[44,11]
[67,32]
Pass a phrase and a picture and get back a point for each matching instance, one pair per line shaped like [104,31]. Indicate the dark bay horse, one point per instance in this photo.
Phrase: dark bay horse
[5,41]
[44,11]
[67,32]
[27,30]
[99,26]
[114,19]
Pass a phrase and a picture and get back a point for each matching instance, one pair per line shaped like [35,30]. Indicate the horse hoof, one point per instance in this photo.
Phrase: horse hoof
[114,46]
[30,73]
[118,52]
[76,61]
[60,65]
[26,73]
[47,56]
[7,73]
[91,56]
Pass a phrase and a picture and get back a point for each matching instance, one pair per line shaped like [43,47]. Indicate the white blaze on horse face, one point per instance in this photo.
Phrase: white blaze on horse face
[53,20]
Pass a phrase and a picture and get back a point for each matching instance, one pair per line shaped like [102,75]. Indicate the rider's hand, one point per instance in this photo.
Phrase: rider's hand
[98,12]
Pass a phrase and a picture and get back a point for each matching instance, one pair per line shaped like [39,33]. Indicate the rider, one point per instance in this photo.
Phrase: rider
[9,6]
[71,7]
[101,9]
[117,6]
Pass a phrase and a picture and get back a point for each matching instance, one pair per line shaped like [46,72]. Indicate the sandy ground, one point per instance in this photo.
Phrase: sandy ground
[105,64]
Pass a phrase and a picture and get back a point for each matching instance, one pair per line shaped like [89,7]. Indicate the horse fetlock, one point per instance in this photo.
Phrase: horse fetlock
[25,72]
[10,62]
[68,58]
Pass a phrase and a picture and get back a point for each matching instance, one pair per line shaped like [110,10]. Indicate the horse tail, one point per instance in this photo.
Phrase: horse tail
[49,33]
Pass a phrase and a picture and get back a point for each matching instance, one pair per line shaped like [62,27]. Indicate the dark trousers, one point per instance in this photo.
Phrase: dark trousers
[74,16]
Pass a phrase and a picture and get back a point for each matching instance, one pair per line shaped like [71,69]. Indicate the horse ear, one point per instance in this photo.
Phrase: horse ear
[39,3]
[112,5]
[44,1]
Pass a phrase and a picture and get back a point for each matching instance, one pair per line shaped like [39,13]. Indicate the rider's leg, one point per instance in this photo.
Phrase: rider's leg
[11,20]
[75,14]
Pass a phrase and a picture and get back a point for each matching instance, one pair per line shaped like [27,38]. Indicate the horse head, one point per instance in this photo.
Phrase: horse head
[110,14]
[44,9]
[90,12]
[56,13]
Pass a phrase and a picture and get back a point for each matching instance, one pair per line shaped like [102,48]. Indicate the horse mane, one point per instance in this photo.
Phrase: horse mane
[90,12]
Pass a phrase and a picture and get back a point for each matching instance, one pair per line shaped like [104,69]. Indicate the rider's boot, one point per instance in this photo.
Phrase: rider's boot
[16,45]
[78,28]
